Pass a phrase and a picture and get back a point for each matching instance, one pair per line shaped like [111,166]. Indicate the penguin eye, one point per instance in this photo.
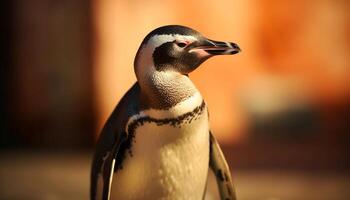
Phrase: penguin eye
[181,44]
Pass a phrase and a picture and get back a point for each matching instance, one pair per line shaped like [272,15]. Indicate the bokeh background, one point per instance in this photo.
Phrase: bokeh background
[280,108]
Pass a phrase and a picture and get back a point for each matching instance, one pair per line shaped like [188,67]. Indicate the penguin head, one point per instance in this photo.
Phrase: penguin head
[179,49]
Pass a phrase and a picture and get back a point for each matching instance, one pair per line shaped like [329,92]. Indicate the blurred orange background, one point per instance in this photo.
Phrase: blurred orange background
[67,64]
[295,56]
[283,103]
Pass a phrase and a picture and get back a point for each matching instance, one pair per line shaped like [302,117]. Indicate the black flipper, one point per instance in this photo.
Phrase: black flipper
[104,164]
[110,144]
[108,170]
[221,171]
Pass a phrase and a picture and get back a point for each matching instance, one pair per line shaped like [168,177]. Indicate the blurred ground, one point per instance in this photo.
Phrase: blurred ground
[56,176]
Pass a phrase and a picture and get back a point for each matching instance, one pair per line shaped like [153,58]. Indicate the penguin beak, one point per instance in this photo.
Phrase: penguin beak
[212,47]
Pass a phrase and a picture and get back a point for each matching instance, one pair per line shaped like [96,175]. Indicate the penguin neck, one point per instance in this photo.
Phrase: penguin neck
[163,90]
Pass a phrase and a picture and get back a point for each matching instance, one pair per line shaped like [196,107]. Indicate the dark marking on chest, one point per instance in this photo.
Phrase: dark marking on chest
[186,118]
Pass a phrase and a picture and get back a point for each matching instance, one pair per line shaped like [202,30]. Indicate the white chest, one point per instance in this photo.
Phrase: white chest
[168,161]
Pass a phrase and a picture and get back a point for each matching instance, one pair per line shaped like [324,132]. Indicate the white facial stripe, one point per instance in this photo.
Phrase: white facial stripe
[145,57]
[158,40]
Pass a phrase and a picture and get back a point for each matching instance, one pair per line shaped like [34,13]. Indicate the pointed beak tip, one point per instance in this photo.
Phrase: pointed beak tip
[235,48]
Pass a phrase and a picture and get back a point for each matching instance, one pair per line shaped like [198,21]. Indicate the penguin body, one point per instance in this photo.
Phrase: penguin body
[169,154]
[157,143]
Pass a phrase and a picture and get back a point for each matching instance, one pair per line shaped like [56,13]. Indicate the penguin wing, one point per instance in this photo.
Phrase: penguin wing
[109,144]
[221,170]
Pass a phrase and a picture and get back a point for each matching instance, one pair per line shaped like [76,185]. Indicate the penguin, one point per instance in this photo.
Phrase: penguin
[157,142]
